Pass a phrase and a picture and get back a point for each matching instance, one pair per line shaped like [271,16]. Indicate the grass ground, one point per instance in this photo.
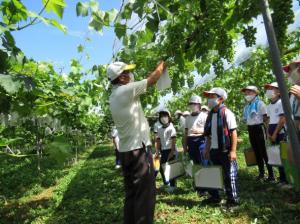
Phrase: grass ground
[91,191]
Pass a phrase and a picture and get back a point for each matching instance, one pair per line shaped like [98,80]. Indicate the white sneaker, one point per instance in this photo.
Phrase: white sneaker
[170,189]
[118,166]
[286,186]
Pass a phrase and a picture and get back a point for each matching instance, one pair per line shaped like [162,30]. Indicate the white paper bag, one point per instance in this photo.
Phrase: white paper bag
[164,81]
[209,177]
[173,170]
[189,168]
[273,153]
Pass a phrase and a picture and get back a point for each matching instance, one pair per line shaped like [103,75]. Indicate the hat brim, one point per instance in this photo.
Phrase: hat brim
[244,89]
[208,93]
[129,67]
[270,86]
[287,67]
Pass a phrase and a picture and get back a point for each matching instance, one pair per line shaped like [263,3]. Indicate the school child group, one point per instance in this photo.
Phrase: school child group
[209,136]
[214,133]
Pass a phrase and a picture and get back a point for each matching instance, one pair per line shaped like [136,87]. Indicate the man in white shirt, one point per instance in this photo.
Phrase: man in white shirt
[255,114]
[134,134]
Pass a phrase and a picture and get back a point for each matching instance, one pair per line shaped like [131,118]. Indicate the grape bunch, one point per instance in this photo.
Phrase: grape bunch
[249,35]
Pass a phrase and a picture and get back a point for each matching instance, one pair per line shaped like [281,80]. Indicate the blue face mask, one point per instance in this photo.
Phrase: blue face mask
[213,102]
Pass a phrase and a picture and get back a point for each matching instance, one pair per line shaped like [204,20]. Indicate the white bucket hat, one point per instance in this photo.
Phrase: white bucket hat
[164,110]
[273,84]
[116,68]
[186,113]
[219,91]
[195,99]
[252,88]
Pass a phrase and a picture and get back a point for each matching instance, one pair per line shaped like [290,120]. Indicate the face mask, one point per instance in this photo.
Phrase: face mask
[131,77]
[270,94]
[249,98]
[194,108]
[164,120]
[212,102]
[294,78]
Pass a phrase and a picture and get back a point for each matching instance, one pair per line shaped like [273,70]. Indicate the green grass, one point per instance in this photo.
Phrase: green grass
[91,191]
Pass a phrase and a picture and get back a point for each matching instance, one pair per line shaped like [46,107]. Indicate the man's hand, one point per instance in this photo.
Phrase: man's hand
[155,75]
[161,66]
[232,156]
[295,90]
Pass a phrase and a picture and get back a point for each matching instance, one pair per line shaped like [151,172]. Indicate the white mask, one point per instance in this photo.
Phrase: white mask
[249,98]
[164,120]
[212,102]
[194,108]
[294,78]
[270,94]
[131,77]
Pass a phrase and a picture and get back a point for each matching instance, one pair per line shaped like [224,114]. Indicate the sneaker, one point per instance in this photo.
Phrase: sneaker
[170,189]
[260,177]
[117,167]
[202,193]
[211,200]
[231,206]
[286,186]
[270,180]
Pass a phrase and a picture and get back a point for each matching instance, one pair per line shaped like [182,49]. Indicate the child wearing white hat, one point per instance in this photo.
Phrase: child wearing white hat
[255,114]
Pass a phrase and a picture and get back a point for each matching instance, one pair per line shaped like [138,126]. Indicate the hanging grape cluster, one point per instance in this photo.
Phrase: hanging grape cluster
[249,35]
[282,16]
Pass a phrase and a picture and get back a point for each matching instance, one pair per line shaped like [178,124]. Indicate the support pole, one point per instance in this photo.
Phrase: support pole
[277,69]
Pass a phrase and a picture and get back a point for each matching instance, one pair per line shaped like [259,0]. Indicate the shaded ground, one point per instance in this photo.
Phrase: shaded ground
[91,192]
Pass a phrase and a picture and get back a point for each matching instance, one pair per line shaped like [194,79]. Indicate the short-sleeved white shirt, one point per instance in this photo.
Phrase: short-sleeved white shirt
[231,123]
[195,122]
[295,104]
[257,118]
[182,123]
[156,126]
[128,115]
[275,110]
[114,134]
[165,134]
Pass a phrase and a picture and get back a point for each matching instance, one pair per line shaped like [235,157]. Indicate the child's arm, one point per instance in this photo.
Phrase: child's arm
[279,126]
[185,140]
[158,145]
[232,154]
[207,147]
[173,148]
[114,143]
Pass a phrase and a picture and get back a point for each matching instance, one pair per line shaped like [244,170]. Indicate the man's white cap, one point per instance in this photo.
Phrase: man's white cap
[273,84]
[252,88]
[219,91]
[178,112]
[116,68]
[195,99]
[164,110]
[186,113]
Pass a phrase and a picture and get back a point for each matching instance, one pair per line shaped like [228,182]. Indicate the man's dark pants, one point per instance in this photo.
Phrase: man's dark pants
[139,182]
